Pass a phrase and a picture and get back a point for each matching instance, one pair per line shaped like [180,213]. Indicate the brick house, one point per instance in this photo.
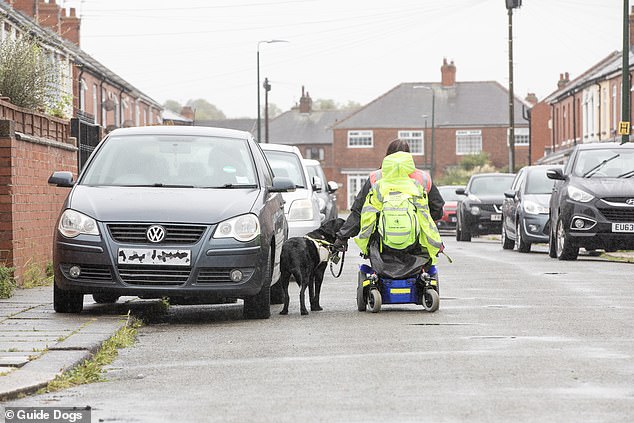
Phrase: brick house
[586,109]
[309,130]
[469,118]
[99,95]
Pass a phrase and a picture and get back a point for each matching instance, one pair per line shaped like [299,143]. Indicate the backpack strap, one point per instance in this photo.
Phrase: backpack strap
[375,176]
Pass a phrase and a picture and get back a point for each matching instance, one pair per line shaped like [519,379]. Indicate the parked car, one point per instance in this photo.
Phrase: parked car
[325,191]
[480,207]
[190,213]
[525,209]
[592,205]
[448,219]
[302,206]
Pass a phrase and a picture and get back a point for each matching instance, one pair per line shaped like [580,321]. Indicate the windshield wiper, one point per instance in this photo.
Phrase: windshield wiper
[160,185]
[599,166]
[232,186]
[626,174]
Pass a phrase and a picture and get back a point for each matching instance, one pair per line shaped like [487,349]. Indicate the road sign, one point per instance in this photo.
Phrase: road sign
[624,128]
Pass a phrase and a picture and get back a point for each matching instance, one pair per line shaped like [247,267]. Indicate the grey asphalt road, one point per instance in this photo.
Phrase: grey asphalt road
[518,337]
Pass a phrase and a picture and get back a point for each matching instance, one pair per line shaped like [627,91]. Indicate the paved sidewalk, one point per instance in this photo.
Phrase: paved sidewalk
[37,344]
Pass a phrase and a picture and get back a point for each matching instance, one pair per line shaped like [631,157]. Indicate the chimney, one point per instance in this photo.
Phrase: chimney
[564,79]
[69,26]
[531,99]
[187,112]
[305,102]
[448,71]
[48,15]
[28,7]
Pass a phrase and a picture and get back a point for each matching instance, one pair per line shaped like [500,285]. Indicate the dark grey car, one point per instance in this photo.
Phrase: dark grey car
[592,205]
[189,213]
[525,209]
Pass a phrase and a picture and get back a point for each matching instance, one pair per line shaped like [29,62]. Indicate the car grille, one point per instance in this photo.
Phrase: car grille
[618,215]
[221,275]
[154,275]
[90,273]
[493,208]
[174,234]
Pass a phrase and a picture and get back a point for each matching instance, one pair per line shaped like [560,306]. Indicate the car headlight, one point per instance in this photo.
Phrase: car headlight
[532,207]
[475,210]
[243,228]
[579,195]
[301,210]
[73,223]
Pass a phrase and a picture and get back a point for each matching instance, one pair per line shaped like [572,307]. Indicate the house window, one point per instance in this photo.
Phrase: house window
[137,115]
[615,111]
[360,139]
[82,96]
[521,136]
[468,142]
[355,183]
[416,141]
[314,153]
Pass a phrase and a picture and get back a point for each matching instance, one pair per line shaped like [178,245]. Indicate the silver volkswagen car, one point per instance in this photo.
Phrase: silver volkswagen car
[189,213]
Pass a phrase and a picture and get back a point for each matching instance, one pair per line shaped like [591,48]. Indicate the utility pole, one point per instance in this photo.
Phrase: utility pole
[624,127]
[510,5]
[267,88]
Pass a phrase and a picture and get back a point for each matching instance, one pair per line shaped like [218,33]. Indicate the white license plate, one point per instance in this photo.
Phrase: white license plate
[496,217]
[623,227]
[154,256]
[452,219]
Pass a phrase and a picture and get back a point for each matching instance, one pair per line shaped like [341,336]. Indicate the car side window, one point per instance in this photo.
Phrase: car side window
[263,164]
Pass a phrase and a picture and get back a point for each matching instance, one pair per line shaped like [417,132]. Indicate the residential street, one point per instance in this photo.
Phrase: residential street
[518,337]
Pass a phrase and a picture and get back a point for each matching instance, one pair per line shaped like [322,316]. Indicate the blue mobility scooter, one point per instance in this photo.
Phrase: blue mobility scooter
[374,290]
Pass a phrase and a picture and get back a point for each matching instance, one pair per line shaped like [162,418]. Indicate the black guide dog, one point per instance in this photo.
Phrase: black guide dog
[301,258]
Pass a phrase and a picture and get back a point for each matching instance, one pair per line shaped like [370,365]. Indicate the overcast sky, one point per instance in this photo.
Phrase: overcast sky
[344,50]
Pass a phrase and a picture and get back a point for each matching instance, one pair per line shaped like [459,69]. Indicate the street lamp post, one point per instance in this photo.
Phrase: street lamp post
[433,125]
[258,85]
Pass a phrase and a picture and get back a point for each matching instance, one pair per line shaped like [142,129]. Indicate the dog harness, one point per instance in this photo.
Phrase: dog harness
[322,248]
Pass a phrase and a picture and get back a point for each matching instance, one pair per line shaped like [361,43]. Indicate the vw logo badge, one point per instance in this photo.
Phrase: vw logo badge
[630,201]
[155,233]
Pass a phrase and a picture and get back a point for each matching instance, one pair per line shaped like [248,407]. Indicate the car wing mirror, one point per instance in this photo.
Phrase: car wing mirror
[510,193]
[61,179]
[282,184]
[332,186]
[461,191]
[556,174]
[317,183]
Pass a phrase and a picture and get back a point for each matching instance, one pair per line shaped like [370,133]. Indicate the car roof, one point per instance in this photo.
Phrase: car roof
[477,175]
[602,145]
[182,130]
[311,162]
[281,147]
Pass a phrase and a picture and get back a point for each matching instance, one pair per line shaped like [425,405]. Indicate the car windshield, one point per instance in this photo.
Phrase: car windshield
[491,185]
[172,161]
[288,165]
[538,183]
[314,170]
[607,163]
[449,193]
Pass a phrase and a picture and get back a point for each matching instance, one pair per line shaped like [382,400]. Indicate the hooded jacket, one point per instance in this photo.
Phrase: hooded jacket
[398,173]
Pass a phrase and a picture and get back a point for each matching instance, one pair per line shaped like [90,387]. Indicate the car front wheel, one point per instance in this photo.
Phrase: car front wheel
[565,249]
[67,301]
[522,245]
[258,306]
[507,244]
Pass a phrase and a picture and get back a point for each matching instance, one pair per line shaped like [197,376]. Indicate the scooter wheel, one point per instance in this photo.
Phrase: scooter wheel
[361,303]
[431,300]
[374,300]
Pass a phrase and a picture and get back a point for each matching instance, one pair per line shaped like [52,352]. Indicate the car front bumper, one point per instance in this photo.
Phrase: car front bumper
[535,228]
[598,232]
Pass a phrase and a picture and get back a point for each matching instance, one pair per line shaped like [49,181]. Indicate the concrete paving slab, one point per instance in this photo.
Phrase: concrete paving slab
[13,360]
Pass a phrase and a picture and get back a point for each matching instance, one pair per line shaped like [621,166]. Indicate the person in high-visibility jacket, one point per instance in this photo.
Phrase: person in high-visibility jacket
[397,172]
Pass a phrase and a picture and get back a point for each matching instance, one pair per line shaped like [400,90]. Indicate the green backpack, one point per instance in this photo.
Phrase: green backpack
[397,223]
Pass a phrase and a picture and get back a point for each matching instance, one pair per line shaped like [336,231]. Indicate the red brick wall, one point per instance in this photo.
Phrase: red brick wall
[541,133]
[28,205]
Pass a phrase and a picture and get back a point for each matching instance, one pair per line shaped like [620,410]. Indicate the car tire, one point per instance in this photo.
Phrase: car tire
[101,298]
[565,249]
[552,243]
[277,293]
[520,242]
[258,306]
[67,301]
[507,244]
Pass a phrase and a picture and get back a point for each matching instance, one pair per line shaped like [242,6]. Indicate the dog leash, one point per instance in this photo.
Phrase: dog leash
[333,255]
